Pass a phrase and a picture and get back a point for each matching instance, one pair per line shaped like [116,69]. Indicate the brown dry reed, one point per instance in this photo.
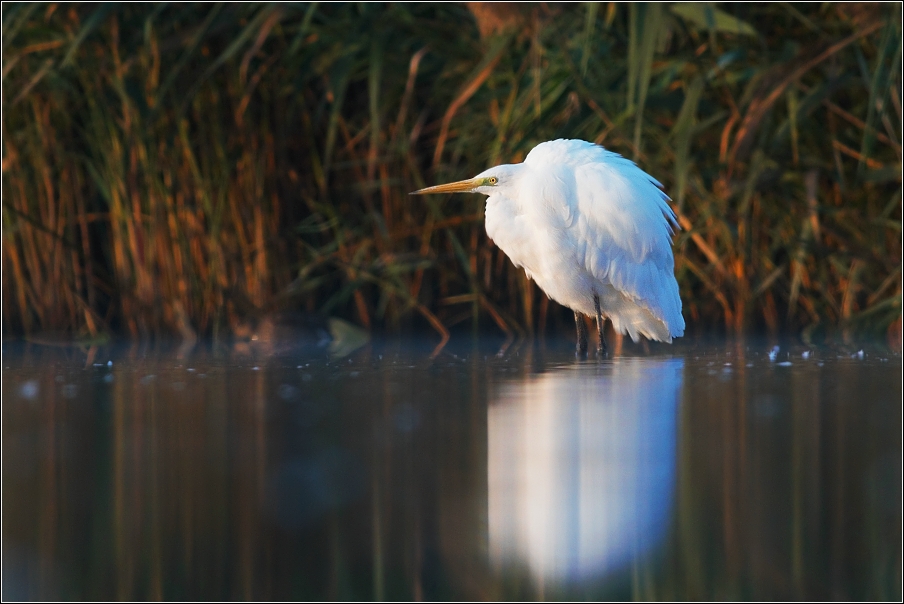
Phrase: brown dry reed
[185,168]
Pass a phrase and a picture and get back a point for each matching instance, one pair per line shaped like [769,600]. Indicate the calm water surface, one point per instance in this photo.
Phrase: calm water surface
[693,471]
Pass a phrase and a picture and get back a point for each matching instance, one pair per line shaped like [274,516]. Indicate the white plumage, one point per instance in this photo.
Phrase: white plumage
[583,222]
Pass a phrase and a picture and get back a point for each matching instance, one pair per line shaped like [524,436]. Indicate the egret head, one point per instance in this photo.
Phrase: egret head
[488,182]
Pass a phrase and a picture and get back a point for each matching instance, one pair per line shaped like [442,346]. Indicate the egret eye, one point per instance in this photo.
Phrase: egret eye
[493,180]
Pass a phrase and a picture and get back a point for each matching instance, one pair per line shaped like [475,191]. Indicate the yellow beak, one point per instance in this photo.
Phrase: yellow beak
[462,186]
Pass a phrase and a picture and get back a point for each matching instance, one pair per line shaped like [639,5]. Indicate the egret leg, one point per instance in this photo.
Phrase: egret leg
[582,334]
[601,345]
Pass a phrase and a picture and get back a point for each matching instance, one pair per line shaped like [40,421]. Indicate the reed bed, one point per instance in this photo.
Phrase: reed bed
[188,168]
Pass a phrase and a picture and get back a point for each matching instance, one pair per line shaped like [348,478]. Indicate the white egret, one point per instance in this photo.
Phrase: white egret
[592,229]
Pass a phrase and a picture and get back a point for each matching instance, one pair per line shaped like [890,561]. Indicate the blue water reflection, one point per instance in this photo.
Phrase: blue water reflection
[581,467]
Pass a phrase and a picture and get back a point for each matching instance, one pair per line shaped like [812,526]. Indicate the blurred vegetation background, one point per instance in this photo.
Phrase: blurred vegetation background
[190,168]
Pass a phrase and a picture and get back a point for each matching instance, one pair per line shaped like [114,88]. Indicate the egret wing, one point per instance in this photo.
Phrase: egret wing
[624,228]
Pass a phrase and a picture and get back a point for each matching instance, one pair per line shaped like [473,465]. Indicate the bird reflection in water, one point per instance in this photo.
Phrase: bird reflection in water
[581,467]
